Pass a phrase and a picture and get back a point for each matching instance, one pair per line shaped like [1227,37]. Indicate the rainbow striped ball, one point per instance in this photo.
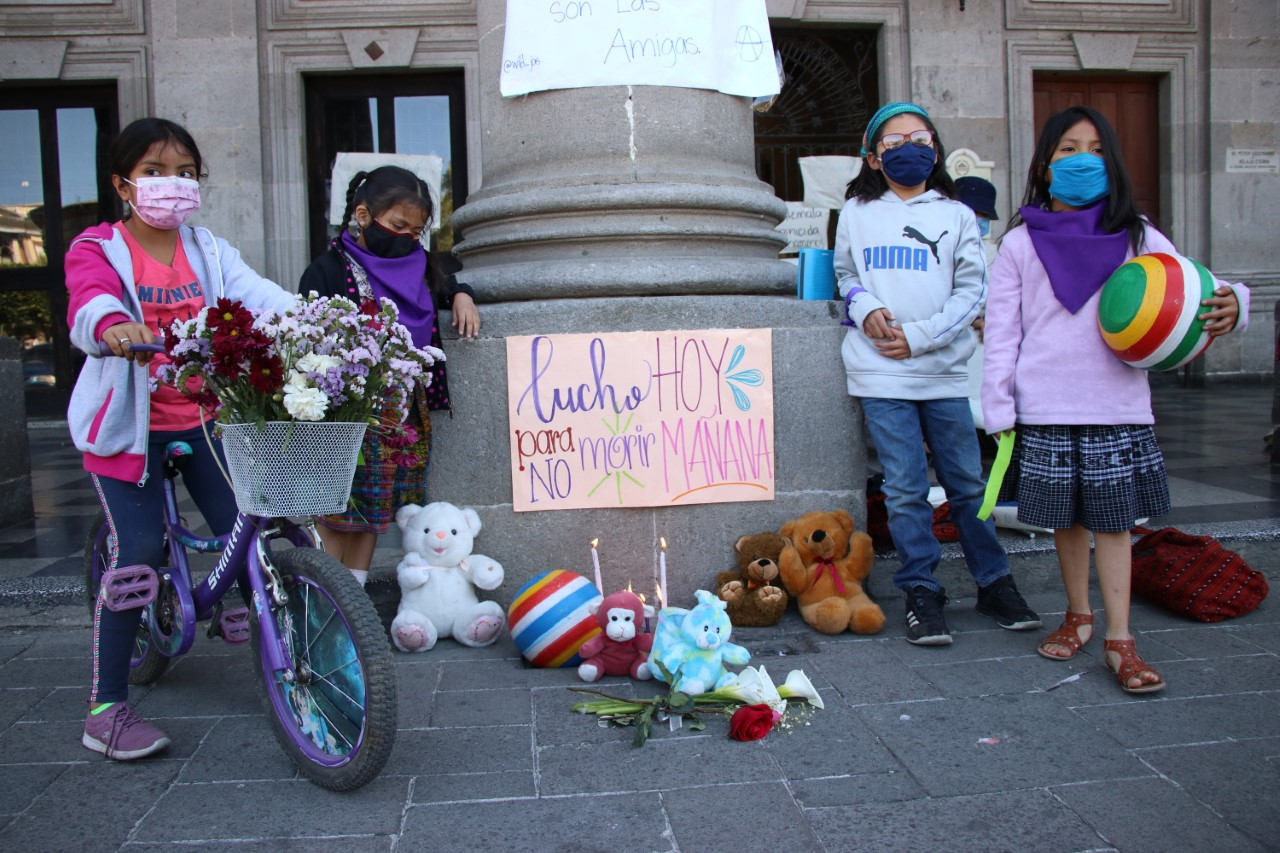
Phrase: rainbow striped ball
[549,618]
[1148,310]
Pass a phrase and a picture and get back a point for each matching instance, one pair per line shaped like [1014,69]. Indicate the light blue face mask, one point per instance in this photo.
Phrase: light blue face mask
[984,226]
[1079,180]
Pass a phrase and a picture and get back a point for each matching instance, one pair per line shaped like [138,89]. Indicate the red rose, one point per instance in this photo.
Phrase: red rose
[752,722]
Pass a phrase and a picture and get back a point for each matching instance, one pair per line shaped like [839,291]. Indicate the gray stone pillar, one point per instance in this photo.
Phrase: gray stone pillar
[15,453]
[617,190]
[607,210]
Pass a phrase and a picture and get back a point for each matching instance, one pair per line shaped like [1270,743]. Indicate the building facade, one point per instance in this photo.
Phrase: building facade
[271,89]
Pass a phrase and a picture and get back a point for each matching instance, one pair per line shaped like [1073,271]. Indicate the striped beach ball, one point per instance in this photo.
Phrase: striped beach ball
[549,618]
[1148,310]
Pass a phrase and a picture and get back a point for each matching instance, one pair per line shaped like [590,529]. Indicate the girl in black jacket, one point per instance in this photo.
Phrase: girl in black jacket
[381,256]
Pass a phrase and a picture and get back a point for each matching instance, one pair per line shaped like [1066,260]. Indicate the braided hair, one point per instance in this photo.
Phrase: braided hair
[386,187]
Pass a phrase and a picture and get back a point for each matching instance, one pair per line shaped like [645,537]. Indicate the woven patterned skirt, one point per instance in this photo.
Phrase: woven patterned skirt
[1101,477]
[381,486]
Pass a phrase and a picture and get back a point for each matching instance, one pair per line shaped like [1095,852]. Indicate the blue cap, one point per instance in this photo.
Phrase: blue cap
[885,113]
[979,194]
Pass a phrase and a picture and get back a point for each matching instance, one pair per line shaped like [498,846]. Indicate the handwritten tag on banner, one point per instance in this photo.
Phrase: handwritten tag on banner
[632,419]
[709,44]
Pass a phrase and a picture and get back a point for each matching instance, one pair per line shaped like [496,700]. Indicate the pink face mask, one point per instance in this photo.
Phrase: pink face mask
[166,203]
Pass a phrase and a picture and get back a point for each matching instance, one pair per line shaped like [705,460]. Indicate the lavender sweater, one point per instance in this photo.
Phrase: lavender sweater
[1044,365]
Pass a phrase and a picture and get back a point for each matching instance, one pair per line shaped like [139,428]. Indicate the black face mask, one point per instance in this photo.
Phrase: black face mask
[385,243]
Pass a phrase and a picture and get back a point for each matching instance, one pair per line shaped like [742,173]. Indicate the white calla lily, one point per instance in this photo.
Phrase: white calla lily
[798,686]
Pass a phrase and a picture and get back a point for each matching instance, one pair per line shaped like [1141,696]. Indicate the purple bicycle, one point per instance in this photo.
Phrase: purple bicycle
[323,656]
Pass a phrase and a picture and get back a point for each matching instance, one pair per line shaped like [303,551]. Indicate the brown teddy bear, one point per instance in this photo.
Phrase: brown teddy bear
[823,565]
[752,592]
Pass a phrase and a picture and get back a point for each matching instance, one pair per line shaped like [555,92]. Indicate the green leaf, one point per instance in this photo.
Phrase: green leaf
[643,725]
[666,673]
[697,725]
[679,702]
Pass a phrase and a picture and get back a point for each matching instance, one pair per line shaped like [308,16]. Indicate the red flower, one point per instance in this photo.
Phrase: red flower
[267,375]
[227,317]
[752,722]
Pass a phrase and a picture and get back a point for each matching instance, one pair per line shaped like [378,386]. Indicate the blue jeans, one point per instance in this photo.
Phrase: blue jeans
[899,429]
[135,514]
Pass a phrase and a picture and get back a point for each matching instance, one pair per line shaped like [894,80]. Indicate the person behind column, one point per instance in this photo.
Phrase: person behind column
[380,255]
[1089,461]
[126,281]
[909,264]
[979,195]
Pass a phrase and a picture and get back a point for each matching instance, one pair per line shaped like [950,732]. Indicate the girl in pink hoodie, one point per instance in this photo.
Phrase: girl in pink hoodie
[126,281]
[1088,461]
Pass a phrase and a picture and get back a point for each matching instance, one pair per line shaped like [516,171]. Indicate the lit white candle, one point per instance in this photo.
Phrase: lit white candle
[595,561]
[662,569]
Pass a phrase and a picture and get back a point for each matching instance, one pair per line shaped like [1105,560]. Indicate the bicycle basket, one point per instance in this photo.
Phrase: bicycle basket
[293,467]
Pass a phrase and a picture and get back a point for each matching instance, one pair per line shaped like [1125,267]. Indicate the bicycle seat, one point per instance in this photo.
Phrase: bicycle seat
[175,455]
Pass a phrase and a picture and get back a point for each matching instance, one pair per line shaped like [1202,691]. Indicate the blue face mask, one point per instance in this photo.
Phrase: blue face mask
[909,165]
[1079,180]
[984,226]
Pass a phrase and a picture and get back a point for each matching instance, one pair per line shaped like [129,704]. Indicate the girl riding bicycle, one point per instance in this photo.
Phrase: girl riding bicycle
[126,281]
[382,257]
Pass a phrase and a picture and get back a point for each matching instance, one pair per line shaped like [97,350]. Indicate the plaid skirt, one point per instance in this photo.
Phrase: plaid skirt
[1101,477]
[380,486]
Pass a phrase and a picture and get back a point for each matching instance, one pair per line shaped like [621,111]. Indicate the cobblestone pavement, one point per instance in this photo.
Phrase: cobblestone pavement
[982,745]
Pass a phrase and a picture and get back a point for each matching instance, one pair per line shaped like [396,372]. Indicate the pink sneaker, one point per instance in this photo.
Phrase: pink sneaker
[120,733]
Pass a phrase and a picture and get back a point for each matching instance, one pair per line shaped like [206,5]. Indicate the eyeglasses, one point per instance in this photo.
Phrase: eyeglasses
[923,138]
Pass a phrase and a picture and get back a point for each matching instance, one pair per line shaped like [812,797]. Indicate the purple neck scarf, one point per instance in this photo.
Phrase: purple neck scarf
[403,281]
[1076,254]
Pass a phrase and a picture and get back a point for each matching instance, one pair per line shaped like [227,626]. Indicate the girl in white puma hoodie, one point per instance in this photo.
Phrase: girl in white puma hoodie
[910,266]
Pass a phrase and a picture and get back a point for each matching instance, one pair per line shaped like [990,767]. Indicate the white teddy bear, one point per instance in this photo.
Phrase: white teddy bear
[436,576]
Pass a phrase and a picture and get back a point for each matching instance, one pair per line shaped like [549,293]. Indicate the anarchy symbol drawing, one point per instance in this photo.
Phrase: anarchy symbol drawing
[750,44]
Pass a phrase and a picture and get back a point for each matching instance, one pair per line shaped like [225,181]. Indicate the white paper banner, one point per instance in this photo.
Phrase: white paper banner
[429,167]
[826,178]
[805,227]
[567,44]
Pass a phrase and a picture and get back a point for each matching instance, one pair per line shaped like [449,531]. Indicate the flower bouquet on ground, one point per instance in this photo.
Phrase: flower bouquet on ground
[295,391]
[753,704]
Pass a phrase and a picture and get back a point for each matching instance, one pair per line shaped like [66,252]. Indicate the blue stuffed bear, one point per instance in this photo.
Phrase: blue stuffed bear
[694,646]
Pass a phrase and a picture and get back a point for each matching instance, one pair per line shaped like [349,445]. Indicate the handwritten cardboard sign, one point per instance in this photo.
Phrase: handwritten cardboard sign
[804,227]
[631,419]
[711,44]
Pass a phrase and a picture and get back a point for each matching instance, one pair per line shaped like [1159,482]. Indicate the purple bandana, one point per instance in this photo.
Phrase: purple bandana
[1076,254]
[403,281]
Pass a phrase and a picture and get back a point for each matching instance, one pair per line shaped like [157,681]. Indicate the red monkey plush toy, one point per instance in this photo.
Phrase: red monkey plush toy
[621,648]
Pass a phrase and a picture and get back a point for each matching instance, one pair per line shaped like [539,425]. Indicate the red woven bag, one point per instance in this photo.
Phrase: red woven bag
[1194,576]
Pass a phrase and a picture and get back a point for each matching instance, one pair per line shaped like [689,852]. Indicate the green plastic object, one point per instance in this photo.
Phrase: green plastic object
[998,469]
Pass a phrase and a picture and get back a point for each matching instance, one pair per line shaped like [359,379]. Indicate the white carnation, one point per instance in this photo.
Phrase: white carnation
[306,404]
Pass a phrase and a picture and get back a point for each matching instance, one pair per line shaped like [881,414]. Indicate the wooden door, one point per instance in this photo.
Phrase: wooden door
[1132,105]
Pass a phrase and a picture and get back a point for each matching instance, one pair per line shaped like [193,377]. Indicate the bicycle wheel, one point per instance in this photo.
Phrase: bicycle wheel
[337,721]
[146,664]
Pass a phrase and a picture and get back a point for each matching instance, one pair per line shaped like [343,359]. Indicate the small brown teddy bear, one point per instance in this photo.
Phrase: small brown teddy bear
[823,565]
[752,592]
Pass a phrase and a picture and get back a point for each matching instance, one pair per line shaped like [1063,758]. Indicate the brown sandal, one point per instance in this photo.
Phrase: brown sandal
[1067,636]
[1131,666]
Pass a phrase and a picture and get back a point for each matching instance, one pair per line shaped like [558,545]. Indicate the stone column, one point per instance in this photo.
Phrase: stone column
[616,190]
[616,209]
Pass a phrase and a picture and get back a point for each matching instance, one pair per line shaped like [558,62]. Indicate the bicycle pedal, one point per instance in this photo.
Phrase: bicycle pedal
[233,625]
[129,587]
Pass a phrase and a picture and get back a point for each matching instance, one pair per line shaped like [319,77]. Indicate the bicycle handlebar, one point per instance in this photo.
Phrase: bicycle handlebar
[105,349]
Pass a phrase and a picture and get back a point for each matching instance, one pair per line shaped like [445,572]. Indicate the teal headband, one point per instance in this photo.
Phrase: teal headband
[885,113]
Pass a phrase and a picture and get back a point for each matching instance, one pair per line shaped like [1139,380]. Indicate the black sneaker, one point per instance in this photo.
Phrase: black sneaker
[925,625]
[1002,602]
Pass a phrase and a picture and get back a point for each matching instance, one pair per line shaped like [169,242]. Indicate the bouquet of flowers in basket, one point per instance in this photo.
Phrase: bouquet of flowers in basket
[325,359]
[295,391]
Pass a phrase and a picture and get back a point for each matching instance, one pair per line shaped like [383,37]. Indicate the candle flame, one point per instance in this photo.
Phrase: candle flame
[629,587]
[639,595]
[594,542]
[661,603]
[662,542]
